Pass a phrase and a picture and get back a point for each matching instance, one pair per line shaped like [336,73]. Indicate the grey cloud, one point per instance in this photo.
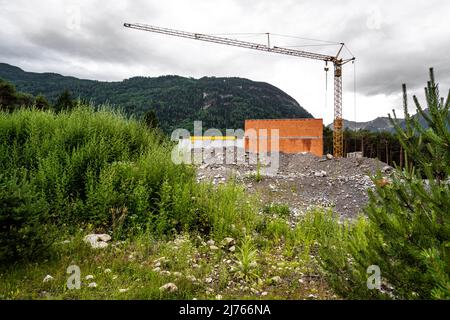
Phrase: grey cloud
[394,42]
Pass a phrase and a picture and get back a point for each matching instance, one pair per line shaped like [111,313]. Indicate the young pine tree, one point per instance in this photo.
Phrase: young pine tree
[408,230]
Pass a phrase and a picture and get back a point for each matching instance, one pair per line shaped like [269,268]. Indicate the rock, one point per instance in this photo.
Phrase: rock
[329,156]
[387,169]
[320,173]
[229,241]
[213,248]
[165,273]
[276,279]
[157,269]
[107,271]
[169,287]
[123,290]
[89,277]
[48,278]
[232,249]
[191,278]
[265,293]
[97,241]
[211,242]
[208,280]
[92,285]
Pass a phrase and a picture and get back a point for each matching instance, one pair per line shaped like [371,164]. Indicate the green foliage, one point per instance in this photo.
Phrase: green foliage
[246,260]
[151,120]
[64,101]
[26,232]
[408,235]
[10,99]
[222,103]
[278,209]
[99,169]
[41,103]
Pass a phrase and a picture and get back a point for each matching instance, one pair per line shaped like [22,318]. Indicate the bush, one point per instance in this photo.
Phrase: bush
[26,233]
[408,234]
[100,169]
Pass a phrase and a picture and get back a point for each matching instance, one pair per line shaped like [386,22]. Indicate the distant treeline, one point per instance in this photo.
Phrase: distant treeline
[382,145]
[11,99]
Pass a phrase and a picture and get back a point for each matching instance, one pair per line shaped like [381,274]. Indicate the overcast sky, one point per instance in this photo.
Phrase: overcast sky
[394,42]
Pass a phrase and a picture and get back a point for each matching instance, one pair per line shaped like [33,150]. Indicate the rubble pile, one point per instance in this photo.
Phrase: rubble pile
[303,180]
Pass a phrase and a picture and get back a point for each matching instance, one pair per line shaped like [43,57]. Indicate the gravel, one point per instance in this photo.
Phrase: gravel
[304,181]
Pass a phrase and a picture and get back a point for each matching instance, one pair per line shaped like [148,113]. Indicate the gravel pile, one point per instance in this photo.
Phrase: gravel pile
[304,181]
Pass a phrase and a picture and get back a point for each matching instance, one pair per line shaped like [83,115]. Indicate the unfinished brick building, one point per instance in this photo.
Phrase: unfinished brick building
[295,135]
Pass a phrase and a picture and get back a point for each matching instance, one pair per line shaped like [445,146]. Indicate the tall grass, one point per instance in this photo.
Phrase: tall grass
[102,170]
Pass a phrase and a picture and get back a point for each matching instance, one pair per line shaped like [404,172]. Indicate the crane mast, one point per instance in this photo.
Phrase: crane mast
[337,62]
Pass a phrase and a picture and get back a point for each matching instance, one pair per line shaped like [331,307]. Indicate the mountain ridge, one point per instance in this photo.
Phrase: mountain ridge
[220,102]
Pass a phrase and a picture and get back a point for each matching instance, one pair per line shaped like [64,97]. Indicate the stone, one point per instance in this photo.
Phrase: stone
[169,287]
[48,278]
[320,173]
[276,279]
[89,277]
[191,278]
[92,285]
[123,290]
[97,241]
[232,249]
[229,241]
[329,156]
[107,271]
[213,248]
[208,280]
[387,169]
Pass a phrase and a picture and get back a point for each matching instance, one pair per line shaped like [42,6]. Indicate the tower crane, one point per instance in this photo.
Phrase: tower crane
[338,62]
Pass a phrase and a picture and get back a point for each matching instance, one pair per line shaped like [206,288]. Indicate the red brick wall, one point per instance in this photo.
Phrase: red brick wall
[296,135]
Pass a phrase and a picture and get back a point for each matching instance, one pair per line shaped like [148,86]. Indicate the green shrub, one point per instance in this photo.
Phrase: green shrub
[25,229]
[278,209]
[100,169]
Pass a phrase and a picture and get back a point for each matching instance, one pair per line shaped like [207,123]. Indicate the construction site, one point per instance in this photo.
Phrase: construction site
[302,177]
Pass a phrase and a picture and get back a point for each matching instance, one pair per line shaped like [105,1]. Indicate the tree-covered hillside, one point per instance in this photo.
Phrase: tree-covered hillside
[219,102]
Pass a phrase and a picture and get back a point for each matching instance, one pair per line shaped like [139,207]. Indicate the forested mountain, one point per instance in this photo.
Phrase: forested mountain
[219,102]
[377,125]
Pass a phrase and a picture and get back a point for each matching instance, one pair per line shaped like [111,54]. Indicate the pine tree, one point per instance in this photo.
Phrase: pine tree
[41,102]
[410,216]
[64,101]
[408,230]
